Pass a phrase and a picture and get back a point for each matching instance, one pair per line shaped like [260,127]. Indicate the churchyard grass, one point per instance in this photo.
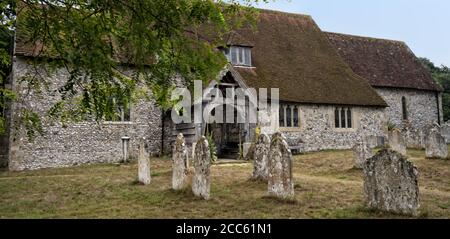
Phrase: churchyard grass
[326,186]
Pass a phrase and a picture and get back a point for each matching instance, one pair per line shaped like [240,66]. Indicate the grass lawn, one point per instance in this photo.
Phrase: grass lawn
[326,186]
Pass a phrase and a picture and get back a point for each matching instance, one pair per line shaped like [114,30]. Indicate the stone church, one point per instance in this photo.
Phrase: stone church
[334,90]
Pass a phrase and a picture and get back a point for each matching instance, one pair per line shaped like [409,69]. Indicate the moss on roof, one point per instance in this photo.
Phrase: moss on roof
[291,53]
[384,63]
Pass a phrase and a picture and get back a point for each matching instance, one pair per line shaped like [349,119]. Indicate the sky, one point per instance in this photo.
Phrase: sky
[423,24]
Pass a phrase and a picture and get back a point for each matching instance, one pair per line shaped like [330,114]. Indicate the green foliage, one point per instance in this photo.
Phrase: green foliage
[6,34]
[442,76]
[95,40]
[212,147]
[32,123]
[391,126]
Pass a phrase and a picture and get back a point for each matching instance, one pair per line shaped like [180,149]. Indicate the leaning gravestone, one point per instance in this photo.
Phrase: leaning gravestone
[397,142]
[261,156]
[391,183]
[202,162]
[436,146]
[280,182]
[362,152]
[179,164]
[143,164]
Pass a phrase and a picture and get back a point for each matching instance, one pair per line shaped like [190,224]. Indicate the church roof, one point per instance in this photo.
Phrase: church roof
[291,53]
[384,63]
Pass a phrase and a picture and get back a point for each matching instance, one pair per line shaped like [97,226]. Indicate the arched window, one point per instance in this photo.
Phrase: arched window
[404,109]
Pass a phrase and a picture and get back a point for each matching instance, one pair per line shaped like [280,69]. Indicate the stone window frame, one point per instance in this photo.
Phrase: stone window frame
[353,116]
[294,126]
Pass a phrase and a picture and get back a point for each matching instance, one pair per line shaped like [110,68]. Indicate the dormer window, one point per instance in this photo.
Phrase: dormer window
[239,55]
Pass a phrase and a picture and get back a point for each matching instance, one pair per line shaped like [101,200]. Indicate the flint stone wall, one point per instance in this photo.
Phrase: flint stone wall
[422,106]
[423,110]
[317,131]
[391,183]
[76,143]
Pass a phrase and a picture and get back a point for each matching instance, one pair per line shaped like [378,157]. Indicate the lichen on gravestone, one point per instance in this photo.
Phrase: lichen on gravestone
[179,164]
[201,182]
[144,176]
[261,158]
[391,183]
[435,146]
[280,180]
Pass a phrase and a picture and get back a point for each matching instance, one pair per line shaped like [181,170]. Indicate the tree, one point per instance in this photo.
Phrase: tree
[442,76]
[6,35]
[94,39]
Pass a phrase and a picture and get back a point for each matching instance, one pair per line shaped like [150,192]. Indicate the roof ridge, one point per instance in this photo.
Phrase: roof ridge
[366,37]
[285,13]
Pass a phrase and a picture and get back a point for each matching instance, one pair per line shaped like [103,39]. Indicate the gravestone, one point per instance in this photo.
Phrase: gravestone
[261,158]
[445,131]
[361,152]
[201,183]
[144,176]
[436,146]
[391,183]
[280,181]
[397,142]
[179,164]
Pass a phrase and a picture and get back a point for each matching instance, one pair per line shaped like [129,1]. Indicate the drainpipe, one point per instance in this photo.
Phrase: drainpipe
[438,108]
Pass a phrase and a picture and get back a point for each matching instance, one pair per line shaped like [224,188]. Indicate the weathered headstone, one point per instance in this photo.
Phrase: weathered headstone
[280,181]
[391,183]
[436,146]
[446,131]
[362,152]
[143,164]
[397,142]
[414,137]
[179,164]
[261,158]
[201,183]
